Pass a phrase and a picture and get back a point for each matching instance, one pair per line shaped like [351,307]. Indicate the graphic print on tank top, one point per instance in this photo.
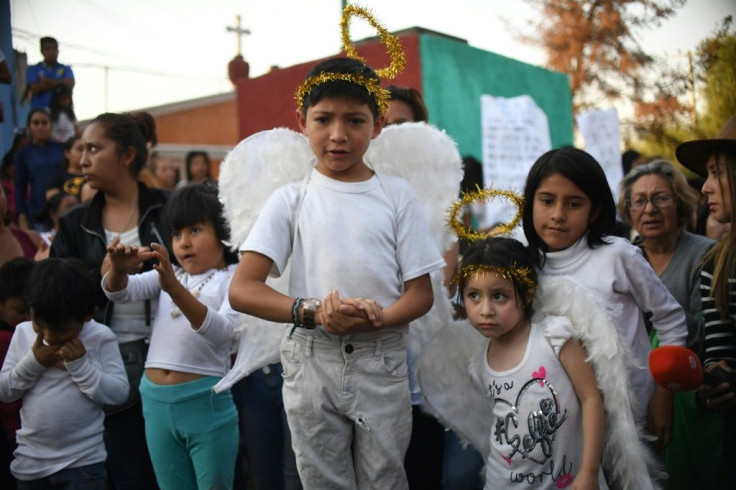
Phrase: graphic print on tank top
[526,425]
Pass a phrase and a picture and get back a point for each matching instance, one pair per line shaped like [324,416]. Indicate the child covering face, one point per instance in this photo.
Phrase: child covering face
[65,367]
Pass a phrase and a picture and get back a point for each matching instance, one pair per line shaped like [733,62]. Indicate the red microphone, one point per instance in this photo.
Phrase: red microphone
[676,368]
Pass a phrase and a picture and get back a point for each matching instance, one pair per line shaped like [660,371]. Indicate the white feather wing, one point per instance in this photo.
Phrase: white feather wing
[255,168]
[429,160]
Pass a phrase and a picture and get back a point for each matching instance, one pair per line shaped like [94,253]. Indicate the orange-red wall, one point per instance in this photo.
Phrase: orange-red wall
[267,102]
[215,124]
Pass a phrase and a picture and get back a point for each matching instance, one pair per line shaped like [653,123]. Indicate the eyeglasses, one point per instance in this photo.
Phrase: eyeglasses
[658,201]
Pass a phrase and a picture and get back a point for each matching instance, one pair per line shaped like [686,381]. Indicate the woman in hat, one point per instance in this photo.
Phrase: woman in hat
[715,159]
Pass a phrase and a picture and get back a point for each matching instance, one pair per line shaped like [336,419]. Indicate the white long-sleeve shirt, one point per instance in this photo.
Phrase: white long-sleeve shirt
[62,417]
[175,345]
[627,286]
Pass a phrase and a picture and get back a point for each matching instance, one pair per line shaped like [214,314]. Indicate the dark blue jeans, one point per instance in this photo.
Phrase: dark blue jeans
[461,467]
[128,461]
[90,477]
[264,432]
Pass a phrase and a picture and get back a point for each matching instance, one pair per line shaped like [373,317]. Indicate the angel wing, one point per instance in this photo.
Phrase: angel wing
[446,379]
[265,161]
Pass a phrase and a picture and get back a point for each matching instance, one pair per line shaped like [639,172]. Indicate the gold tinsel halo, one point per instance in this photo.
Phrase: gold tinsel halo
[521,274]
[379,94]
[392,43]
[484,195]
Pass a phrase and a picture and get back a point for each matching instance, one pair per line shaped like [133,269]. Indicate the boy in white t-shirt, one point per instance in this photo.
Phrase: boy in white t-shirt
[358,241]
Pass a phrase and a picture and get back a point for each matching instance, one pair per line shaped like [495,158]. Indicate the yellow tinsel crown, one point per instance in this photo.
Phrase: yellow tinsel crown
[373,85]
[520,273]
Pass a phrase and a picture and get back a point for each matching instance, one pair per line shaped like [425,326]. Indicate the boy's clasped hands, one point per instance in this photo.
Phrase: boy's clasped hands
[341,316]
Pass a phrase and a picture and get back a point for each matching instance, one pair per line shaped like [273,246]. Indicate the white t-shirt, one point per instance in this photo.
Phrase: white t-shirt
[351,236]
[626,285]
[63,129]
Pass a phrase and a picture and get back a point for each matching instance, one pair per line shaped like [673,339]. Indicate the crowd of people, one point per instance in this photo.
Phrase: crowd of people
[122,298]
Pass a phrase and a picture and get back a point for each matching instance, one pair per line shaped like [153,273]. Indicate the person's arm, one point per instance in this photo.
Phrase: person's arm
[660,416]
[20,183]
[5,76]
[640,281]
[21,369]
[250,294]
[572,357]
[123,260]
[102,380]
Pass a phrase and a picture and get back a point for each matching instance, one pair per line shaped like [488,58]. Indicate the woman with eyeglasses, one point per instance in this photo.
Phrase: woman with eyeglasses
[658,203]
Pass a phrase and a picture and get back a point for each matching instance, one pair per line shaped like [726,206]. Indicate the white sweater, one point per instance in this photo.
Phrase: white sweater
[626,285]
[62,417]
[175,345]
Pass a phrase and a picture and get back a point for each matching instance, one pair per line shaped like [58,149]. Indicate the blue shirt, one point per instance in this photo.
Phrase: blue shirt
[56,72]
[35,166]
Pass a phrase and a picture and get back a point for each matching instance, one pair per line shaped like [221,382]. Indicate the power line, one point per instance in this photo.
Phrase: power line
[28,35]
[145,71]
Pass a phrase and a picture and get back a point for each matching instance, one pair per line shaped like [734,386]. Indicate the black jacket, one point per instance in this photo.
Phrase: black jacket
[82,235]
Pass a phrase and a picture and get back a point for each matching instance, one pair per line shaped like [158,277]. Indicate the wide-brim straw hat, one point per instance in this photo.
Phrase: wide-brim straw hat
[694,154]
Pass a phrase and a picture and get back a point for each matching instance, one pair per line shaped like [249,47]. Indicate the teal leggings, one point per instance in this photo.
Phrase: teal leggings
[192,434]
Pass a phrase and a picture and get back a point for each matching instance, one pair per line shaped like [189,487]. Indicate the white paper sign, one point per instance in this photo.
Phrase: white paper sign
[600,130]
[515,134]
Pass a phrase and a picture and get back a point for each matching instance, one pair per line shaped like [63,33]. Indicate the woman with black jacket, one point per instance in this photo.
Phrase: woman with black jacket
[114,153]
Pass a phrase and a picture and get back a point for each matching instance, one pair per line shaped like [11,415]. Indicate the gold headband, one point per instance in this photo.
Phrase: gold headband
[521,274]
[393,47]
[484,195]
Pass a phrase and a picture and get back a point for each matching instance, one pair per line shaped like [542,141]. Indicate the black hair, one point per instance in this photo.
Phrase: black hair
[197,203]
[412,98]
[507,253]
[585,172]
[147,125]
[60,91]
[68,145]
[126,132]
[340,88]
[472,174]
[48,39]
[14,276]
[9,158]
[51,206]
[627,160]
[191,156]
[61,290]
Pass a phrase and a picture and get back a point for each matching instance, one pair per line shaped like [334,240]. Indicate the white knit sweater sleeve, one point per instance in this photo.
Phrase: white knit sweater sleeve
[101,378]
[652,296]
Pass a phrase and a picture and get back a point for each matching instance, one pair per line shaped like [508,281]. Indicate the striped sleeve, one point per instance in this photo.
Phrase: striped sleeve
[720,333]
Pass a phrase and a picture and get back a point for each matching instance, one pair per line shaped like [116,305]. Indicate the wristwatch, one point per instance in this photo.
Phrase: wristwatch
[309,310]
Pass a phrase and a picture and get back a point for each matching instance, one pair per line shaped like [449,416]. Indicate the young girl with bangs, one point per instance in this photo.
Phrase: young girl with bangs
[527,366]
[191,432]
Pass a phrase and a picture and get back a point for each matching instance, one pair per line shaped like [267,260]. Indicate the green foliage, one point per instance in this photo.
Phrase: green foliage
[718,80]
